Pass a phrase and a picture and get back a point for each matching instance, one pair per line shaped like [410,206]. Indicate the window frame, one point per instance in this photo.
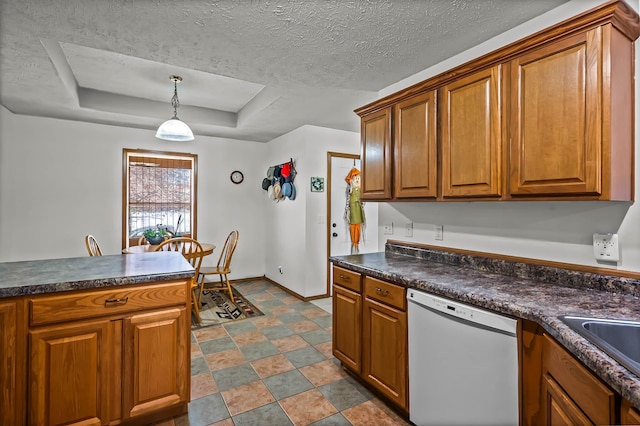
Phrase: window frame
[129,152]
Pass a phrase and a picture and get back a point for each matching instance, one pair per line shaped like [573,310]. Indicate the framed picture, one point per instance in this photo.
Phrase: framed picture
[317,184]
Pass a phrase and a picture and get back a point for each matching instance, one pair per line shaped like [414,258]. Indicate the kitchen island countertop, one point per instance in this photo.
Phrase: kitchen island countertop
[474,281]
[56,275]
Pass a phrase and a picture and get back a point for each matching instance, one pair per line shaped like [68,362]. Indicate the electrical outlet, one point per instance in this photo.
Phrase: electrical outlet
[439,232]
[408,229]
[388,228]
[605,247]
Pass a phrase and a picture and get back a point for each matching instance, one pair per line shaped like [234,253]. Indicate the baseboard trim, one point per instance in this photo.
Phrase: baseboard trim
[281,287]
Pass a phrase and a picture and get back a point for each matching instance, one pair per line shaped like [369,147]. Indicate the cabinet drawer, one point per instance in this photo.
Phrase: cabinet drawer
[385,292]
[349,279]
[87,304]
[587,391]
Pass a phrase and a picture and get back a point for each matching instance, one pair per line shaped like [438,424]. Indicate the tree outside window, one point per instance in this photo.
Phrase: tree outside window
[159,190]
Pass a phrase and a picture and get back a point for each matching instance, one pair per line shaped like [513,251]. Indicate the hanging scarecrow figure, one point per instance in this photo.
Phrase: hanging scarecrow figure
[354,211]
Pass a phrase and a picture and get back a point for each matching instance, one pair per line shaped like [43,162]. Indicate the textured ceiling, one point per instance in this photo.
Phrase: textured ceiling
[252,69]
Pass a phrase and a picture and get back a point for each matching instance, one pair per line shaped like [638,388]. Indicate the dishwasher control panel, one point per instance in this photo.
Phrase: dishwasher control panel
[462,311]
[451,308]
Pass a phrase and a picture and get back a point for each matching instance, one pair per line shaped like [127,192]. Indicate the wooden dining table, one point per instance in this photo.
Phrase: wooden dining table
[147,248]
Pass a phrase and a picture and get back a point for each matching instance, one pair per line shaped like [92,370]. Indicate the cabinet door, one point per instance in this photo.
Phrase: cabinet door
[471,136]
[69,374]
[415,147]
[11,366]
[560,409]
[385,350]
[347,327]
[628,414]
[376,155]
[556,118]
[156,361]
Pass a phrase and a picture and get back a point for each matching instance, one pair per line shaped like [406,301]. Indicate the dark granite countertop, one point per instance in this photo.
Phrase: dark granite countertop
[536,293]
[56,275]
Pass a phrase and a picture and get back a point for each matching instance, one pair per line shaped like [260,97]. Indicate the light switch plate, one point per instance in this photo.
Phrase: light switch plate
[388,228]
[408,229]
[605,247]
[439,232]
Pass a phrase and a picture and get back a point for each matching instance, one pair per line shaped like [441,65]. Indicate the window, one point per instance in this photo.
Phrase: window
[159,189]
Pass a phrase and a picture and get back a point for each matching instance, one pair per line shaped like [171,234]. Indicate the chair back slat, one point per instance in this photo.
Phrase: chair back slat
[190,249]
[92,246]
[224,261]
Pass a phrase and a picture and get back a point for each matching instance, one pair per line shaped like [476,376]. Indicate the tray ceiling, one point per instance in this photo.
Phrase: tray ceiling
[252,70]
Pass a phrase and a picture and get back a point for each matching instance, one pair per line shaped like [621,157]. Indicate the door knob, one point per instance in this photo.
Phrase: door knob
[335,234]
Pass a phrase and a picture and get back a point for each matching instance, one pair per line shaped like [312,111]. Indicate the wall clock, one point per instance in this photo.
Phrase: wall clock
[236,176]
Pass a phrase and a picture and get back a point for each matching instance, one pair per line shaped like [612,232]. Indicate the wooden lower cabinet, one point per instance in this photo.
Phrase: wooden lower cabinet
[156,365]
[69,374]
[592,398]
[557,389]
[560,408]
[628,414]
[385,360]
[370,333]
[347,327]
[12,362]
[116,362]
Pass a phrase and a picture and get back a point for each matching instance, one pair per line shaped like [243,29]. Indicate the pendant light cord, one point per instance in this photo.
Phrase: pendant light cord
[174,100]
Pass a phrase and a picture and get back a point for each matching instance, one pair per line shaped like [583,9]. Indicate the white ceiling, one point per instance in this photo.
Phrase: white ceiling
[252,69]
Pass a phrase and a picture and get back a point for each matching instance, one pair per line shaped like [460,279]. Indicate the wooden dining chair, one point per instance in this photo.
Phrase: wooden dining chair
[222,268]
[92,245]
[193,252]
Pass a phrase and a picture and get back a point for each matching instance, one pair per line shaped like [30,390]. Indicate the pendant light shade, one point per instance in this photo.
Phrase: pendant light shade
[173,129]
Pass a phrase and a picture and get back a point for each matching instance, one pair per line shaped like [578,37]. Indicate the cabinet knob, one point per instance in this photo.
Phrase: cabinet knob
[335,234]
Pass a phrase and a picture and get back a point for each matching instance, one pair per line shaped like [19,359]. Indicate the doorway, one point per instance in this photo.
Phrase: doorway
[338,238]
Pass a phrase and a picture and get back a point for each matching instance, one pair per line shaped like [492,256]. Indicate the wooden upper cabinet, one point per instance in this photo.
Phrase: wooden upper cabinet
[415,154]
[548,117]
[471,136]
[376,155]
[571,118]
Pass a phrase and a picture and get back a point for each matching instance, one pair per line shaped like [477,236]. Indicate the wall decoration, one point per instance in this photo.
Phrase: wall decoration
[354,210]
[236,176]
[279,182]
[317,184]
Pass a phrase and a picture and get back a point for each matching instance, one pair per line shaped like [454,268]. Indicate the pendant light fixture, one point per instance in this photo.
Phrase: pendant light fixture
[173,129]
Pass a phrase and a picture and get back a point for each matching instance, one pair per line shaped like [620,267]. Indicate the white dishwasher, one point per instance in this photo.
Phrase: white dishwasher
[463,364]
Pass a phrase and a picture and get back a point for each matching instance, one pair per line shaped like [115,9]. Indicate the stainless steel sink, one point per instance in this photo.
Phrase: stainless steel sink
[620,339]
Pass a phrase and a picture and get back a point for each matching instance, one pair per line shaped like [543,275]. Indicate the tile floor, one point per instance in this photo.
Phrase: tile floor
[276,369]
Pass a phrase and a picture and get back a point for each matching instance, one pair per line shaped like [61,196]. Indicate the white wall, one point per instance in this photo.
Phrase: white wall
[61,180]
[557,231]
[295,238]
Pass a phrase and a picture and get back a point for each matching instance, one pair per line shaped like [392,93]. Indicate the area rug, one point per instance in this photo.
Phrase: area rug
[217,308]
